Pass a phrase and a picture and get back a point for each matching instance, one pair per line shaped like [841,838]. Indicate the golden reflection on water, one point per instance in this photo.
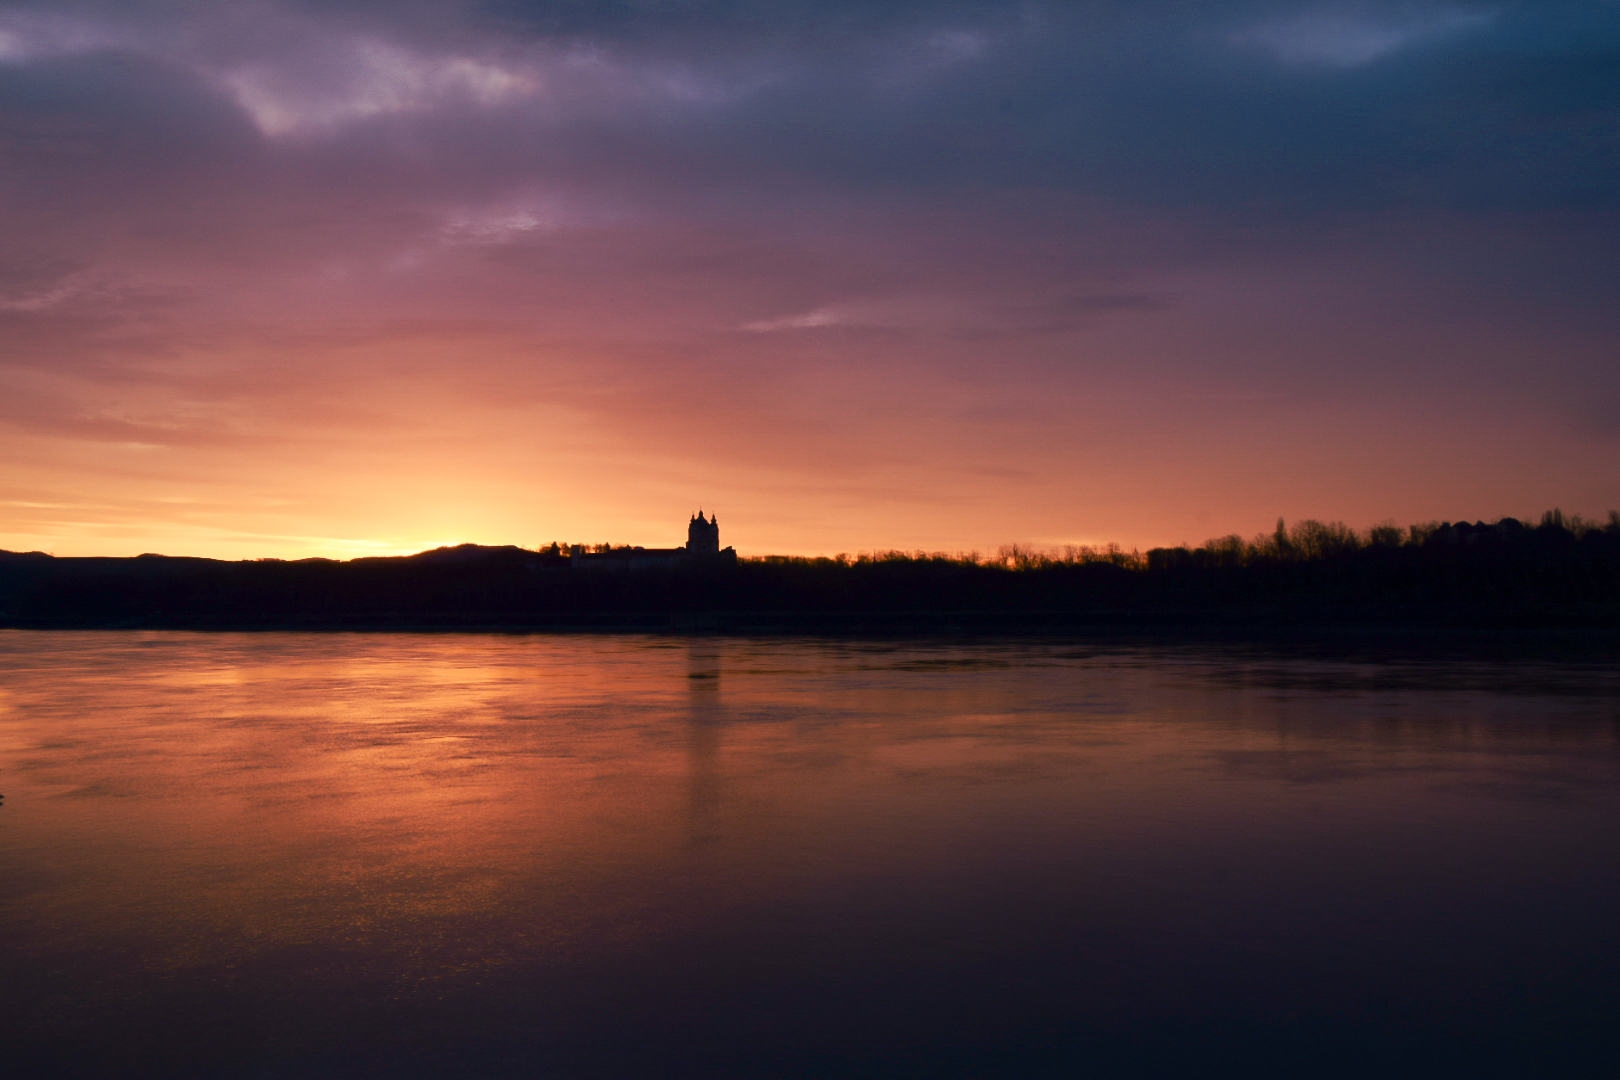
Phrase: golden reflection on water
[397,816]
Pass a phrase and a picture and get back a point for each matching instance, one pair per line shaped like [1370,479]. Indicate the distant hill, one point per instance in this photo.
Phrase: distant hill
[1560,572]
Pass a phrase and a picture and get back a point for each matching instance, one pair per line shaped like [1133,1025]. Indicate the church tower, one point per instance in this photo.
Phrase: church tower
[703,536]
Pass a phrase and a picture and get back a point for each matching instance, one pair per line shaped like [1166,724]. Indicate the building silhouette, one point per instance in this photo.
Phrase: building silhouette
[702,549]
[703,537]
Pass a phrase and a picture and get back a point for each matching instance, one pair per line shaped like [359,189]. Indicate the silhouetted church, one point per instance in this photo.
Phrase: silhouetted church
[702,549]
[703,537]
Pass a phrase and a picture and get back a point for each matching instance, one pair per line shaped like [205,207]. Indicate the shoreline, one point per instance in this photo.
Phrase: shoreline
[1585,621]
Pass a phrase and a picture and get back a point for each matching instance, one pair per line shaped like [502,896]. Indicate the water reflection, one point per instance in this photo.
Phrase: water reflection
[704,724]
[345,854]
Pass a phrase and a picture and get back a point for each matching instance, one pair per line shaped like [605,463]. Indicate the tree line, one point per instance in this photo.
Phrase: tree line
[1561,570]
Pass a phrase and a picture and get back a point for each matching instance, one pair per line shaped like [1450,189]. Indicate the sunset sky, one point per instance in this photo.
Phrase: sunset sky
[338,278]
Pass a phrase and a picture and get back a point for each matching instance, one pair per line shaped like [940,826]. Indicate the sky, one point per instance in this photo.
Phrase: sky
[337,278]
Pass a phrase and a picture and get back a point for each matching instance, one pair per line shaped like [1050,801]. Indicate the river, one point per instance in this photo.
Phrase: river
[266,855]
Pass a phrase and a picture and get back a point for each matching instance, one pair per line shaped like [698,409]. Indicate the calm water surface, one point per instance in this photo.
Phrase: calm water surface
[369,855]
